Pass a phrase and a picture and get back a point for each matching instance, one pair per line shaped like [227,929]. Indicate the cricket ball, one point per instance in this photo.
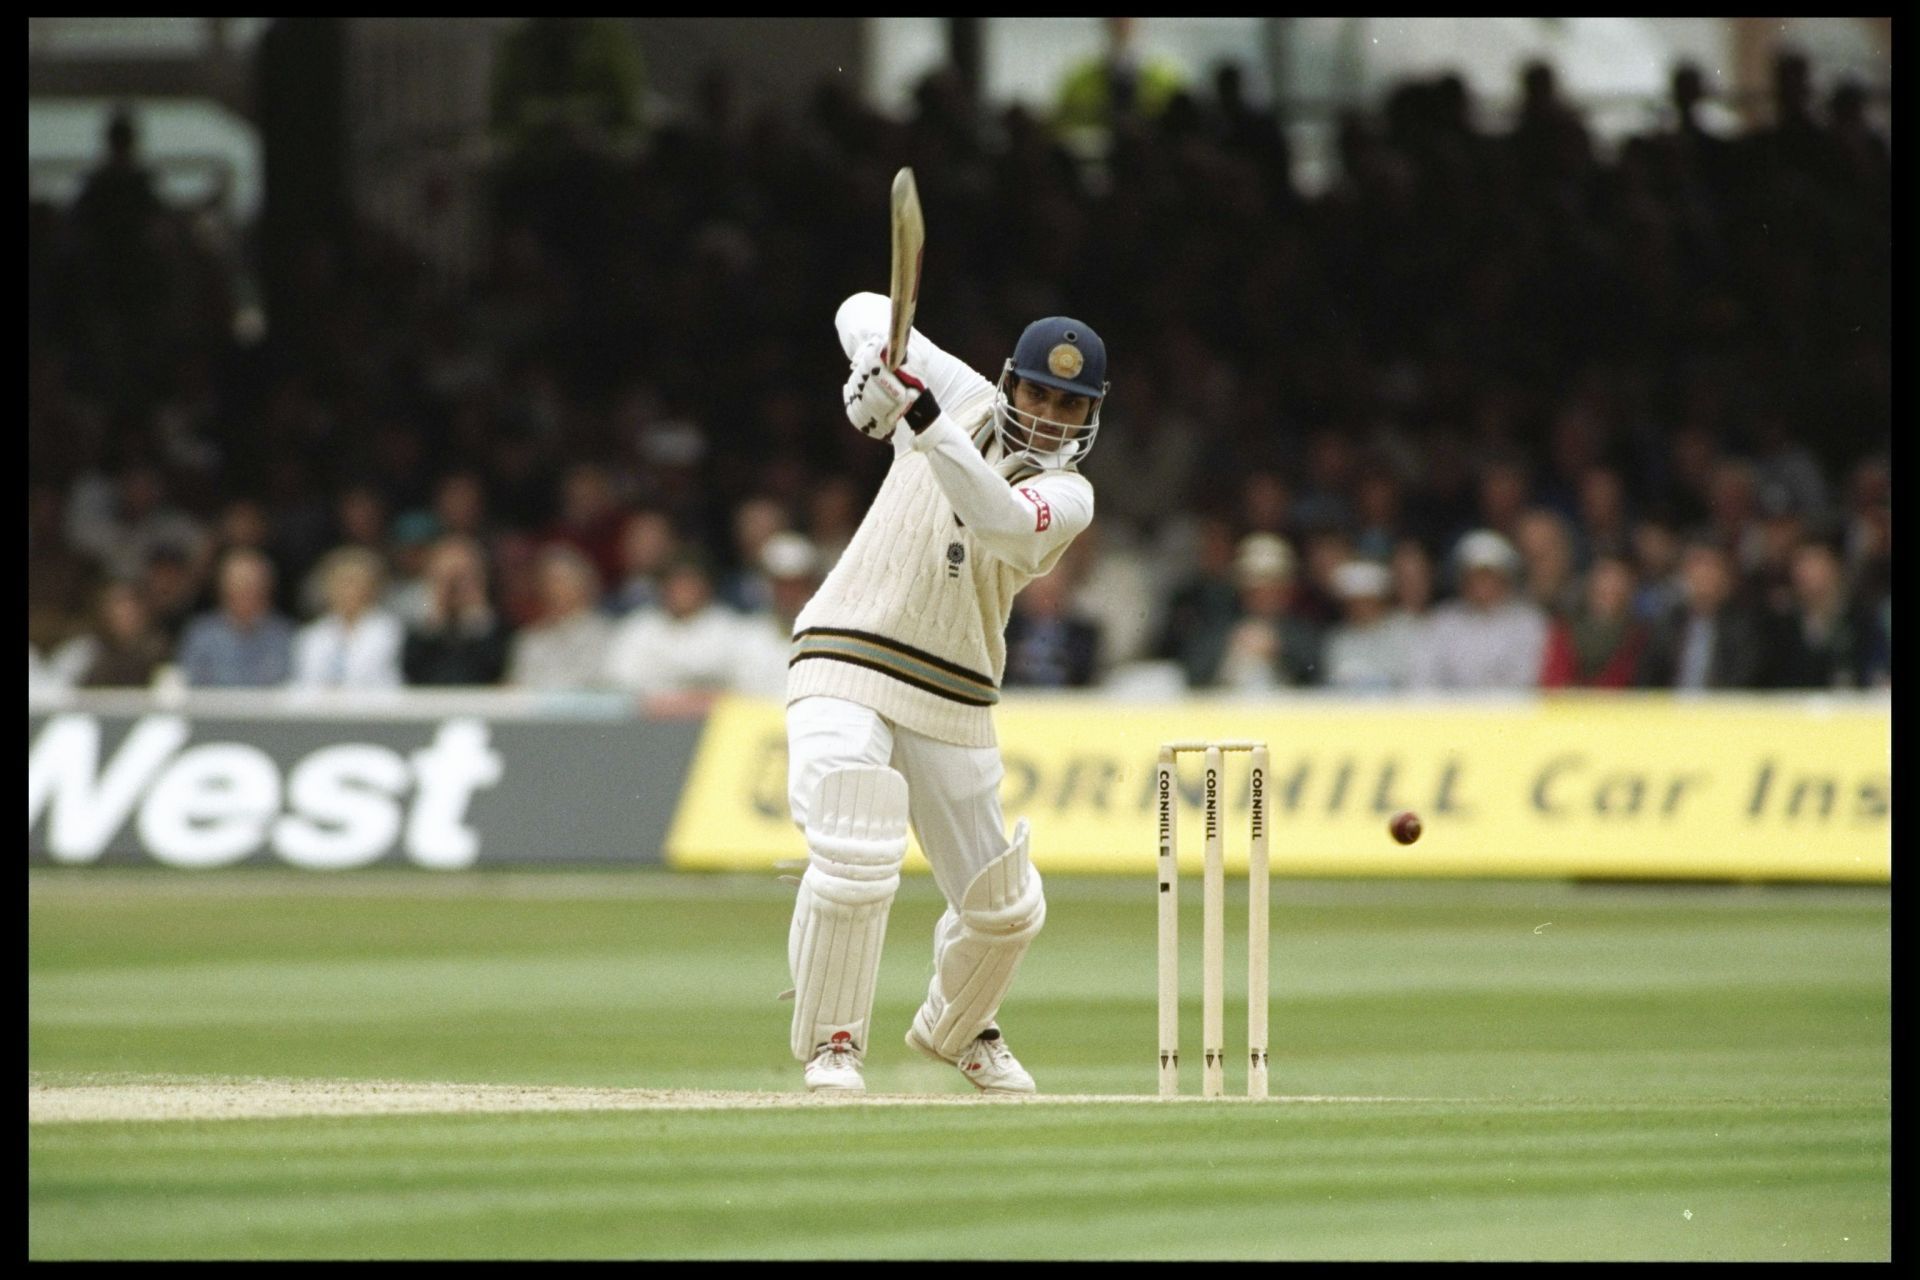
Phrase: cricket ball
[1405,826]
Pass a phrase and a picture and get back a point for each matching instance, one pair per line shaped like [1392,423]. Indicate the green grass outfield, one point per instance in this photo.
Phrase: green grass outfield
[1550,1071]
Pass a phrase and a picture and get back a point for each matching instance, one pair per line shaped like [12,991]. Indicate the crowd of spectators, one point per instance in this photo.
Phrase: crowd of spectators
[1500,409]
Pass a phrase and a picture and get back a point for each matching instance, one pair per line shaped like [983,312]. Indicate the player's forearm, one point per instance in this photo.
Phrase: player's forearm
[1018,526]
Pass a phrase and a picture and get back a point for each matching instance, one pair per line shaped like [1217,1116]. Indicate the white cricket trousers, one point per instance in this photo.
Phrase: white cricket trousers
[953,793]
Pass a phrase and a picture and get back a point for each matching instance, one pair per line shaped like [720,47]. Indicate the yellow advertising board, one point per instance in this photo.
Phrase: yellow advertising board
[1570,786]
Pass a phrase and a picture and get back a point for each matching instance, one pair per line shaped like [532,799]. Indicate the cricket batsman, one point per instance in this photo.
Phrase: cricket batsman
[895,671]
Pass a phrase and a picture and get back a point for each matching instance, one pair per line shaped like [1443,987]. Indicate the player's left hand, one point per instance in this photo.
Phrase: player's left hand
[876,398]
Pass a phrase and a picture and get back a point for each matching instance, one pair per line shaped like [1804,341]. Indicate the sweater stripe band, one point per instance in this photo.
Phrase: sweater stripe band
[902,662]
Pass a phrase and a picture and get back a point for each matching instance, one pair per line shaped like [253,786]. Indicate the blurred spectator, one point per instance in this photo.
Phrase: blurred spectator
[1377,514]
[1121,83]
[1600,645]
[1316,596]
[754,522]
[590,519]
[648,544]
[1206,600]
[461,640]
[791,569]
[567,648]
[1049,646]
[1489,638]
[1656,566]
[1710,640]
[833,513]
[1263,646]
[1114,589]
[1604,525]
[172,591]
[1266,504]
[1733,511]
[61,581]
[125,649]
[1822,640]
[1371,649]
[1504,494]
[1617,326]
[1331,471]
[412,541]
[1412,571]
[460,506]
[689,644]
[117,207]
[355,644]
[1545,544]
[121,522]
[244,644]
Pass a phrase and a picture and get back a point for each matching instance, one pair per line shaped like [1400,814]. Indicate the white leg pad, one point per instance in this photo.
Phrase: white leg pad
[856,841]
[1002,910]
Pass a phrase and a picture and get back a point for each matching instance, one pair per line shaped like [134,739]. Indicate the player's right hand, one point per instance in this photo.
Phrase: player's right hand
[876,399]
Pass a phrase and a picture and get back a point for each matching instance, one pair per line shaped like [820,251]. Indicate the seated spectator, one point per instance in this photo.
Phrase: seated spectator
[791,568]
[754,521]
[591,518]
[1263,646]
[1601,645]
[244,644]
[171,589]
[648,544]
[1656,566]
[414,535]
[567,648]
[1315,598]
[1490,638]
[125,649]
[360,519]
[355,644]
[1604,525]
[1113,582]
[1547,555]
[1412,570]
[461,640]
[121,523]
[1710,640]
[1822,641]
[1204,600]
[1048,645]
[1371,649]
[690,644]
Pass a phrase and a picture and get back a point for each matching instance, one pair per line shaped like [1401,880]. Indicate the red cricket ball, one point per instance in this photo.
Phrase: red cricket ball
[1405,826]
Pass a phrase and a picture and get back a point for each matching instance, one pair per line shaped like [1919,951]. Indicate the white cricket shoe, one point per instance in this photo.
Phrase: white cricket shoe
[836,1067]
[988,1064]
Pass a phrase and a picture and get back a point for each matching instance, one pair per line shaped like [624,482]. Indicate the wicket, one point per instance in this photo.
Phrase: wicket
[1213,919]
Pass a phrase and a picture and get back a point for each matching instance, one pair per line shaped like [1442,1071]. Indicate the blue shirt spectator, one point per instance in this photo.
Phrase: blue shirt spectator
[243,644]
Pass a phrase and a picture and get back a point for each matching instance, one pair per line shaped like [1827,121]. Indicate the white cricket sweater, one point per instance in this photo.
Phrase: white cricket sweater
[912,619]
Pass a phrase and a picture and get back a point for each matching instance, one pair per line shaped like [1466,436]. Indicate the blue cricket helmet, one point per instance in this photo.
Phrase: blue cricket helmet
[1062,353]
[1065,354]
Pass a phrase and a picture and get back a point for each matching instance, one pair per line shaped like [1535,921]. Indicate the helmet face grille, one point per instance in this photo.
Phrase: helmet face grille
[1041,442]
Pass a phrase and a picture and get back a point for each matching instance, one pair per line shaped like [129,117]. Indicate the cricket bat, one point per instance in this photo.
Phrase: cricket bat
[909,241]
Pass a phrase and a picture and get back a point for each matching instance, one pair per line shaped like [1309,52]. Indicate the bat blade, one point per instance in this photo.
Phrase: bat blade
[909,242]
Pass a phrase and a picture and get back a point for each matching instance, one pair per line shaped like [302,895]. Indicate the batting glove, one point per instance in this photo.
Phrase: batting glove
[878,398]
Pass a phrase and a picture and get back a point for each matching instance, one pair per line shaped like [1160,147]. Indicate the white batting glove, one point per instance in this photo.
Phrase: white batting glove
[876,398]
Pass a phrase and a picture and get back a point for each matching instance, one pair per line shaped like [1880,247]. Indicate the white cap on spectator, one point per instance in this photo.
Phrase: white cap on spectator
[789,555]
[1362,579]
[1485,549]
[1263,557]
